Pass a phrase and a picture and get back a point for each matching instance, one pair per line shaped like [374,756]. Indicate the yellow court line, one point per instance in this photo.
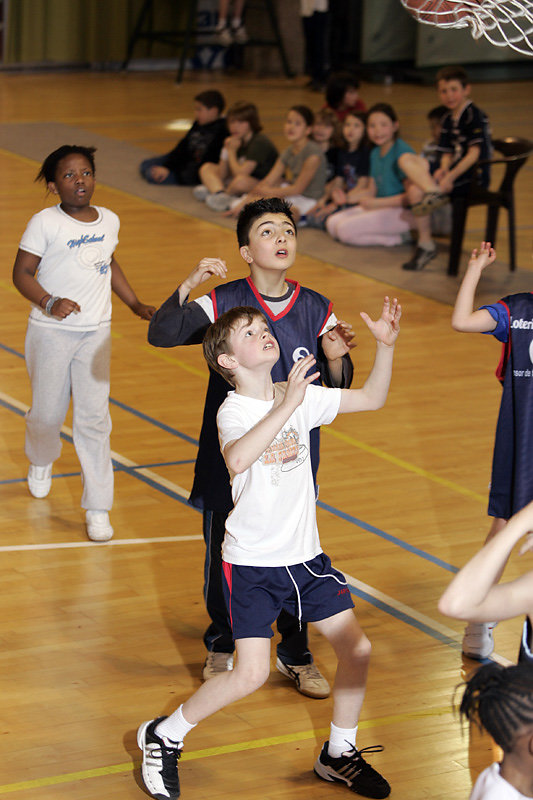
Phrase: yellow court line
[238,747]
[399,462]
[163,356]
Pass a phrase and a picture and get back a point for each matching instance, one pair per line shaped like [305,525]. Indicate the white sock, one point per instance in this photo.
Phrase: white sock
[341,740]
[175,727]
[221,24]
[429,246]
[236,23]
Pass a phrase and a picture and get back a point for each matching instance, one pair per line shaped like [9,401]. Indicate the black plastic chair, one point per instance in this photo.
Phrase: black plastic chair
[515,152]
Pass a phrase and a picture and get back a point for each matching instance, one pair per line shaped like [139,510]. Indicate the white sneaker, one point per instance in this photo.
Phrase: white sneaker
[224,36]
[240,34]
[200,192]
[40,480]
[478,640]
[98,526]
[219,201]
[216,663]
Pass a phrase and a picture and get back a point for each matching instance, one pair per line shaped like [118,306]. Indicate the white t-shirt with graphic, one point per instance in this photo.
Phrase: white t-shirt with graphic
[273,522]
[75,263]
[491,786]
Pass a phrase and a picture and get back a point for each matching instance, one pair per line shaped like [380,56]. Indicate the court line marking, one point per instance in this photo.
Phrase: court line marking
[13,548]
[254,744]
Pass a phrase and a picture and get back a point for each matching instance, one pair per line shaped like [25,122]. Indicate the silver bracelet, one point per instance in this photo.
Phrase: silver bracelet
[49,305]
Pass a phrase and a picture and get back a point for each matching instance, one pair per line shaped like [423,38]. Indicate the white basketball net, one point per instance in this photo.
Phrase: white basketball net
[502,22]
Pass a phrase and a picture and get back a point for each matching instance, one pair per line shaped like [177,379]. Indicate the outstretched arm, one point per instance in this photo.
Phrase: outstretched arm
[241,453]
[474,594]
[121,287]
[374,392]
[464,318]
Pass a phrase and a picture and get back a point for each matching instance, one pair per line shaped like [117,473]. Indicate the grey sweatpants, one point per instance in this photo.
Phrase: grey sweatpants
[62,363]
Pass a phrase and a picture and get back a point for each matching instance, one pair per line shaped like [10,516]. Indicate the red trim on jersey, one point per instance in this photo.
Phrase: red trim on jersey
[214,301]
[328,315]
[226,568]
[268,311]
[506,348]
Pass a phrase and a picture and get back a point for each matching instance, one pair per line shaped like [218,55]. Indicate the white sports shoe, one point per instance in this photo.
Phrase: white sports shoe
[40,480]
[200,192]
[98,526]
[478,640]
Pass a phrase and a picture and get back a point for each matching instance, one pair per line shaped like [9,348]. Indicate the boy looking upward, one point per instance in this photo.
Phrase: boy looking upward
[303,323]
[272,558]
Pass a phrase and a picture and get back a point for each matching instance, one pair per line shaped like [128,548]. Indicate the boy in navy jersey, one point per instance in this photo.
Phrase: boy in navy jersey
[303,323]
[272,557]
[510,320]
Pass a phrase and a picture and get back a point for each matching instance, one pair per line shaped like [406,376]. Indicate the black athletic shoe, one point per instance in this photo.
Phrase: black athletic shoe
[160,762]
[354,771]
[420,258]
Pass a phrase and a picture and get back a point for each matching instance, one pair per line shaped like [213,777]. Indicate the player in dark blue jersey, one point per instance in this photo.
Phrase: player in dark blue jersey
[303,323]
[510,320]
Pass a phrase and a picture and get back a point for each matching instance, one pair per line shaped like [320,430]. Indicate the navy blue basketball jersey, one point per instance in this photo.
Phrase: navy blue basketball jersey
[512,466]
[297,329]
[525,656]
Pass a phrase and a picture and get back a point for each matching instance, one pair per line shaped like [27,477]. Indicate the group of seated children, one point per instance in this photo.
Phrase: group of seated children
[345,169]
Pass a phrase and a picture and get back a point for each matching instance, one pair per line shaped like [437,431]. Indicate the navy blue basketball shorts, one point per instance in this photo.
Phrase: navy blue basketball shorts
[311,591]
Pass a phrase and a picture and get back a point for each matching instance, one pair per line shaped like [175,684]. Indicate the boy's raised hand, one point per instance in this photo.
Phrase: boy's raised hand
[298,381]
[204,270]
[387,327]
[338,341]
[483,257]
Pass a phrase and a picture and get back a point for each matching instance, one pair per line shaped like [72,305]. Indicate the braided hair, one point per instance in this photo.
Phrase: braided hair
[500,700]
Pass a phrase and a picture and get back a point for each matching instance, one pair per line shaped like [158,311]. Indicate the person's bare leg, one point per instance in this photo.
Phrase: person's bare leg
[241,184]
[352,649]
[213,176]
[249,673]
[417,170]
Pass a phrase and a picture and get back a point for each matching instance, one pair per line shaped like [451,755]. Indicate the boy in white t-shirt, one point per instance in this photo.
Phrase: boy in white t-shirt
[272,557]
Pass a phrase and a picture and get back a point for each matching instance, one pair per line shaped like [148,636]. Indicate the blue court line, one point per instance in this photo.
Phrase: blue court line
[331,509]
[401,615]
[116,468]
[152,421]
[388,536]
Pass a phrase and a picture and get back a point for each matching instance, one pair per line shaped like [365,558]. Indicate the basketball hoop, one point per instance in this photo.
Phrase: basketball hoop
[502,22]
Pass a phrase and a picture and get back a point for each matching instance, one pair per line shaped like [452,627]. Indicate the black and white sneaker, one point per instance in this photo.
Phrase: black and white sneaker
[160,761]
[353,770]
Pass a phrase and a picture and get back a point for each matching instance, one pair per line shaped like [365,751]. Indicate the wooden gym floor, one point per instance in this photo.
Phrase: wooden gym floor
[97,638]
